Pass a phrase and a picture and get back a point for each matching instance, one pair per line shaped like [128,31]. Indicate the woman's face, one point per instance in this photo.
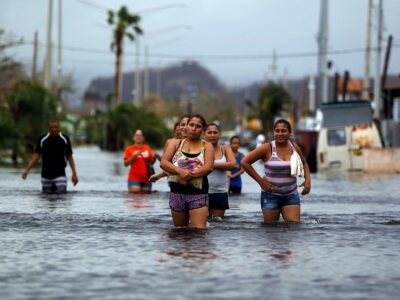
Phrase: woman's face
[281,133]
[194,128]
[138,138]
[235,144]
[183,127]
[212,134]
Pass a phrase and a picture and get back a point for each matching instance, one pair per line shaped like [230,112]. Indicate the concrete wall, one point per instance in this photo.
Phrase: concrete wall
[386,160]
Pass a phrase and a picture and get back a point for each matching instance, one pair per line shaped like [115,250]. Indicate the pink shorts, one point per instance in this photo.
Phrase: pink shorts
[184,202]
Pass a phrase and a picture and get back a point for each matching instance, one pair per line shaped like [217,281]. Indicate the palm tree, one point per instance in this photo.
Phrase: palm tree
[273,99]
[122,21]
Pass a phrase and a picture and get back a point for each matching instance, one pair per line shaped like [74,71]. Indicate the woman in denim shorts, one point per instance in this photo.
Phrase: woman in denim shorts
[279,189]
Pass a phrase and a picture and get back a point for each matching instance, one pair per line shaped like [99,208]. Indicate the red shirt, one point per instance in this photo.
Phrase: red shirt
[138,170]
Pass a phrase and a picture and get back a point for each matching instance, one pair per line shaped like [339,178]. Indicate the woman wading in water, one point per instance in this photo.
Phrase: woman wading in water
[279,188]
[189,161]
[224,161]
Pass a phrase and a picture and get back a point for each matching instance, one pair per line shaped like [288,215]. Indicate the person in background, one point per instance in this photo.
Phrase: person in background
[188,162]
[55,150]
[139,157]
[179,133]
[224,161]
[235,180]
[279,189]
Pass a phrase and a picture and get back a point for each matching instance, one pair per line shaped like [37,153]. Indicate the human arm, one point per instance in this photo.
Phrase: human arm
[35,158]
[238,165]
[230,163]
[307,175]
[240,172]
[261,152]
[167,165]
[155,156]
[128,161]
[157,176]
[74,177]
[208,162]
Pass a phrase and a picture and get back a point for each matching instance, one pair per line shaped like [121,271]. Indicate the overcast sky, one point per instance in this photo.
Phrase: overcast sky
[234,39]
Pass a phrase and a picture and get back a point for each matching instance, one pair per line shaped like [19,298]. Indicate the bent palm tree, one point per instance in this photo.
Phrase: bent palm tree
[121,22]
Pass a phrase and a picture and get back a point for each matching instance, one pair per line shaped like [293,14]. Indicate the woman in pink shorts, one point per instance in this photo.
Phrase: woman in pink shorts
[188,161]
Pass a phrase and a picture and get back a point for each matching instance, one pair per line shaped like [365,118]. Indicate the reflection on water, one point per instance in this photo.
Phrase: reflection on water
[189,249]
[282,255]
[137,201]
[118,170]
[100,242]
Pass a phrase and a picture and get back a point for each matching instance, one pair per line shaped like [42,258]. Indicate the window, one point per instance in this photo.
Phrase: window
[336,137]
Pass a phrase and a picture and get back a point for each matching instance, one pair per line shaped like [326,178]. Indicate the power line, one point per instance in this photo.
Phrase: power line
[217,56]
[93,5]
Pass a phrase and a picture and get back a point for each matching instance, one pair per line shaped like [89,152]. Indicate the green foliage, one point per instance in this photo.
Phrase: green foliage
[272,100]
[29,107]
[114,130]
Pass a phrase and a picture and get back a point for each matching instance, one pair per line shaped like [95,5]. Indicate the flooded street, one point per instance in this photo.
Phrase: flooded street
[99,242]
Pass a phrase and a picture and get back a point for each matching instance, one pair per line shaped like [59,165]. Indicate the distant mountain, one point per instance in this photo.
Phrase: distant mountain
[180,80]
[172,82]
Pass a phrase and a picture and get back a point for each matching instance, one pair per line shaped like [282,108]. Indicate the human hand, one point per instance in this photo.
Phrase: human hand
[137,153]
[24,175]
[307,187]
[267,186]
[154,177]
[74,179]
[185,175]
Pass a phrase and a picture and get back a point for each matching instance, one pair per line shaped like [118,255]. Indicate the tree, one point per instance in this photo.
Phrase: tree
[11,71]
[121,22]
[30,106]
[272,100]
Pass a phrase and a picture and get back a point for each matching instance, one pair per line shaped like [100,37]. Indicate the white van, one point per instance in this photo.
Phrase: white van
[347,128]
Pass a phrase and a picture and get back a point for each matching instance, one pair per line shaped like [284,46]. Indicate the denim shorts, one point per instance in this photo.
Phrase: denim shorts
[271,201]
[141,184]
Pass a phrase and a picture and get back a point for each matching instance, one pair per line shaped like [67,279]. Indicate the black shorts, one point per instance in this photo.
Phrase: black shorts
[218,201]
[235,190]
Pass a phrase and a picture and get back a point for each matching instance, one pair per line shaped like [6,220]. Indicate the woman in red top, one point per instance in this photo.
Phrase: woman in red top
[138,156]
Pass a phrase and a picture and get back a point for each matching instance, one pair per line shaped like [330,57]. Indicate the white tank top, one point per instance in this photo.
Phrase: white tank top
[218,179]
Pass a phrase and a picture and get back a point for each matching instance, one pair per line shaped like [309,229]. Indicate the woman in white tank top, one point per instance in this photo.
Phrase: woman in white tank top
[224,160]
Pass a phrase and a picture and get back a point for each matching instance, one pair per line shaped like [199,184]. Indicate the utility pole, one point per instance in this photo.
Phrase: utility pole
[323,54]
[47,67]
[377,82]
[366,84]
[35,54]
[311,93]
[159,80]
[146,71]
[273,67]
[59,63]
[137,94]
[285,78]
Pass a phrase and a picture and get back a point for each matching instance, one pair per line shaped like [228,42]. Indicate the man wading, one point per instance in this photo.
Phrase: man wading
[55,149]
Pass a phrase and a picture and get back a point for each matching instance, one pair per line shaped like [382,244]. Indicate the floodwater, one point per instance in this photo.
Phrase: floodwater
[99,242]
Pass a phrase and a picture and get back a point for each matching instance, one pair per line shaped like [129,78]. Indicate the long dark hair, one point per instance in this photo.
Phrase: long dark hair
[198,116]
[283,121]
[213,124]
